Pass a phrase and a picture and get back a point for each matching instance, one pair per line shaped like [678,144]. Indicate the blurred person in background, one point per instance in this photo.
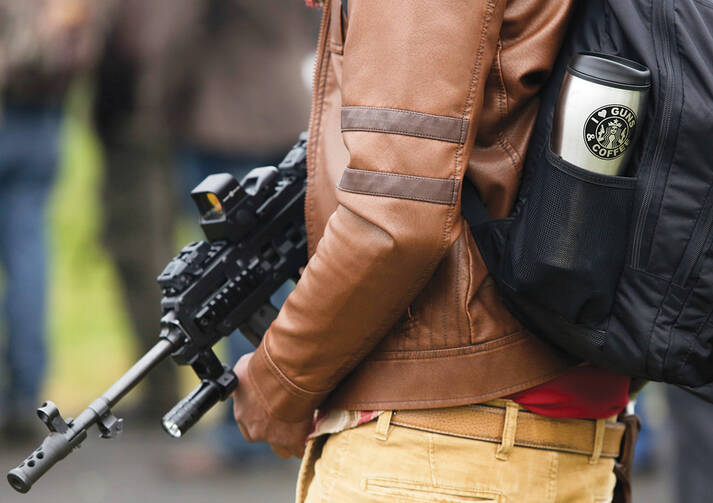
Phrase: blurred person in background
[44,44]
[648,440]
[692,428]
[185,89]
[247,101]
[139,81]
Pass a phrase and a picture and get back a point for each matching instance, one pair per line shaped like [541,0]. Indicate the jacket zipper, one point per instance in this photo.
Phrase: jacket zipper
[664,23]
[317,71]
[311,128]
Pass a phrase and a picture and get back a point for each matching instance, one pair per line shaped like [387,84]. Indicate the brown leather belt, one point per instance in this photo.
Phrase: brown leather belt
[486,422]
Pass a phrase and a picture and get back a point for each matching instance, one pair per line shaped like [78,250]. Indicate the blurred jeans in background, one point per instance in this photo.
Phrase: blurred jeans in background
[692,429]
[29,136]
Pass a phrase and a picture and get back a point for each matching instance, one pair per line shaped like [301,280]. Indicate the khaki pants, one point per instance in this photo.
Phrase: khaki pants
[371,463]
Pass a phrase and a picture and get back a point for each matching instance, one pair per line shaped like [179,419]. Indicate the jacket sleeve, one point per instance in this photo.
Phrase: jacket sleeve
[412,89]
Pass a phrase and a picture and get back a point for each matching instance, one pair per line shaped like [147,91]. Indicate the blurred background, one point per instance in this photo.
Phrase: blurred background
[111,112]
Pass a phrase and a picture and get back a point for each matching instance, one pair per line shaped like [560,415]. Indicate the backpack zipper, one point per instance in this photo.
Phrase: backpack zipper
[702,235]
[664,24]
[701,240]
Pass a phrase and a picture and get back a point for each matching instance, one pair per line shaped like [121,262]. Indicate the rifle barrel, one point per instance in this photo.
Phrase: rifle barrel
[58,444]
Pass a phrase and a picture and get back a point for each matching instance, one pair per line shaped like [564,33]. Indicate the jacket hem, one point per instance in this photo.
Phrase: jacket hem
[451,380]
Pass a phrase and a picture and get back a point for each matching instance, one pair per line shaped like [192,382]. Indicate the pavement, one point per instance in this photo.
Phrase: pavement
[135,468]
[654,487]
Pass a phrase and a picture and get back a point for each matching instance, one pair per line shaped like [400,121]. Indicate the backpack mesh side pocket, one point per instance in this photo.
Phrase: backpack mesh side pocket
[568,245]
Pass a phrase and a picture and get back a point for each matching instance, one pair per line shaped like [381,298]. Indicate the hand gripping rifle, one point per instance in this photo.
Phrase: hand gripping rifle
[255,241]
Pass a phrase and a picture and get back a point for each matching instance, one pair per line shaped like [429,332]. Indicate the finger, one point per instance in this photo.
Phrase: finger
[241,370]
[243,361]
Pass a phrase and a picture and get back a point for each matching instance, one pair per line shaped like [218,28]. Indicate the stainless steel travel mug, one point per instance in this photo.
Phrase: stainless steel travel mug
[600,111]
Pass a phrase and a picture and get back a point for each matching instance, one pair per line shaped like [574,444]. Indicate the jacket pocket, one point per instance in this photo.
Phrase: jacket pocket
[408,491]
[569,244]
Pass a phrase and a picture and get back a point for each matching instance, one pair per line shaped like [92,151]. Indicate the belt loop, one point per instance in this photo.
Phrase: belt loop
[382,425]
[598,441]
[509,429]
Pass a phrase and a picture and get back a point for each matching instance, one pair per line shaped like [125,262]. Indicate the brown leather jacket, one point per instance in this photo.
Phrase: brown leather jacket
[395,308]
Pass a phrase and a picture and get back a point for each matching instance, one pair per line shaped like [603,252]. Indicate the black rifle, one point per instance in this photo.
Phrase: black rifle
[255,241]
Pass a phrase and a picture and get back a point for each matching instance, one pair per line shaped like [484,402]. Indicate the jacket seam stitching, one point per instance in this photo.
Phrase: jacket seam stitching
[502,90]
[398,196]
[261,396]
[316,126]
[507,339]
[499,391]
[469,254]
[506,146]
[403,133]
[264,402]
[405,111]
[364,172]
[292,387]
[502,95]
[475,78]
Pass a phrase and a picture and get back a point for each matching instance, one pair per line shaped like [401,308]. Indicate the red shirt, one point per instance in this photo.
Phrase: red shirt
[582,392]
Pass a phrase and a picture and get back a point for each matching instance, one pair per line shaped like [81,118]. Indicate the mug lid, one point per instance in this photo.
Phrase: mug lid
[610,70]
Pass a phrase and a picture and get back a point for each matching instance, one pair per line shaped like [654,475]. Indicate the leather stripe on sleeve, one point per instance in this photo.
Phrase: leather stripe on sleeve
[417,188]
[404,122]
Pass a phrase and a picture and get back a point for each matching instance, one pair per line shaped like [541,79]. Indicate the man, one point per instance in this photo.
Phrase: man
[395,318]
[138,96]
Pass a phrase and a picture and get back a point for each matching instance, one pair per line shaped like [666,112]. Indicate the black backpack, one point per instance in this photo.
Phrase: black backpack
[637,296]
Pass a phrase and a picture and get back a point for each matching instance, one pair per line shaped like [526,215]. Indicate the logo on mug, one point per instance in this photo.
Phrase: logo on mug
[609,131]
